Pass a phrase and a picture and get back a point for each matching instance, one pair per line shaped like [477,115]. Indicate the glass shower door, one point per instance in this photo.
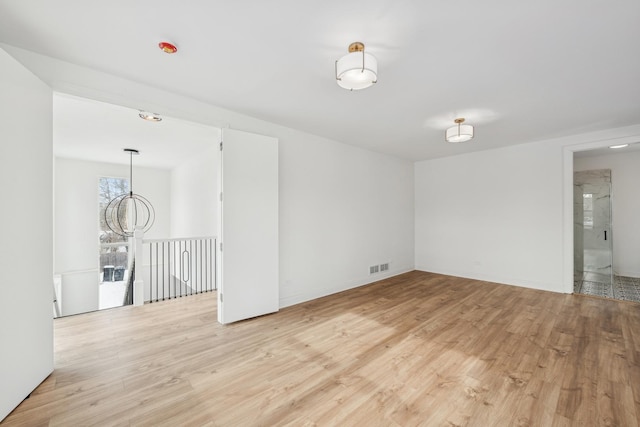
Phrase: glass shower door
[597,238]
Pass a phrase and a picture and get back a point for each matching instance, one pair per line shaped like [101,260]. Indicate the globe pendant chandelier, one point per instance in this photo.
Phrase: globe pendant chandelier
[129,211]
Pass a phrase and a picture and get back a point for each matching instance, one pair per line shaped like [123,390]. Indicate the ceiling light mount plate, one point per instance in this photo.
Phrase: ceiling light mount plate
[356,47]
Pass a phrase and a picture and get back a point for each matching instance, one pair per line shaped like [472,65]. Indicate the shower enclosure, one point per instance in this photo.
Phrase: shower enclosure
[593,249]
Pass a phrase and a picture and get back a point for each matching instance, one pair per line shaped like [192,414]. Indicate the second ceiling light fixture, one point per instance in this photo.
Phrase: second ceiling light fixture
[459,132]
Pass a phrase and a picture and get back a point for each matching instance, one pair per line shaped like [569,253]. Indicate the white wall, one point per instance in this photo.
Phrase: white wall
[503,215]
[194,198]
[341,208]
[26,325]
[625,183]
[76,221]
[493,215]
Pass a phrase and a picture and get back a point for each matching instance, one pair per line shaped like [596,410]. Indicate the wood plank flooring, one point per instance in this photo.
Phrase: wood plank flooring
[416,349]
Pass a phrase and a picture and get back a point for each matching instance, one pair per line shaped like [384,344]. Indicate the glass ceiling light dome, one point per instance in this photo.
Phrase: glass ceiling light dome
[459,132]
[357,69]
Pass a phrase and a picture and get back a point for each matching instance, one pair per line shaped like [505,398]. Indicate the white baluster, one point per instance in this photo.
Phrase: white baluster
[138,284]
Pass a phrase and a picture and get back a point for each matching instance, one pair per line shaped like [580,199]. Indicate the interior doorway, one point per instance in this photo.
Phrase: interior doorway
[606,236]
[176,171]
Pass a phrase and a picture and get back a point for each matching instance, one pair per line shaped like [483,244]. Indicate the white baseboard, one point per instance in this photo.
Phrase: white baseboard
[319,293]
[523,283]
[634,274]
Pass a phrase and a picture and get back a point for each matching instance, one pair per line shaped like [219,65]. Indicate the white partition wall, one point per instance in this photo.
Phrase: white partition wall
[26,262]
[248,249]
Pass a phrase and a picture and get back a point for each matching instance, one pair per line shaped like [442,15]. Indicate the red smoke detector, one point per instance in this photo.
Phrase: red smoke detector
[167,47]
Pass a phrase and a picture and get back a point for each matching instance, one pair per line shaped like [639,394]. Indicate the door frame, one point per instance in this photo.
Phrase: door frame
[567,200]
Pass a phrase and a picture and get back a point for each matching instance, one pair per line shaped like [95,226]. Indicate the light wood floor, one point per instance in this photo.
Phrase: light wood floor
[417,349]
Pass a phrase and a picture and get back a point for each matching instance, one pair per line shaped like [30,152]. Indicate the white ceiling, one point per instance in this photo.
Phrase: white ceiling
[96,131]
[518,71]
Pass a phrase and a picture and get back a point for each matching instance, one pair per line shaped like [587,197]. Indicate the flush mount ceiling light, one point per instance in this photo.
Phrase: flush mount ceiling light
[619,146]
[459,132]
[150,117]
[167,47]
[357,69]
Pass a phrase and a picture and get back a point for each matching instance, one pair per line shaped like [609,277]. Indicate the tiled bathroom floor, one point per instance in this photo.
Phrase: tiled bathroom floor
[624,288]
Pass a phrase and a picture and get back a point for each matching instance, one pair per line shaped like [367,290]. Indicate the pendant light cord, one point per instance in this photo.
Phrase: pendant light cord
[131,173]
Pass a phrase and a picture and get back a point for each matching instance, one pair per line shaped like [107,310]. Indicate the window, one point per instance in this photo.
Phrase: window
[114,249]
[109,188]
